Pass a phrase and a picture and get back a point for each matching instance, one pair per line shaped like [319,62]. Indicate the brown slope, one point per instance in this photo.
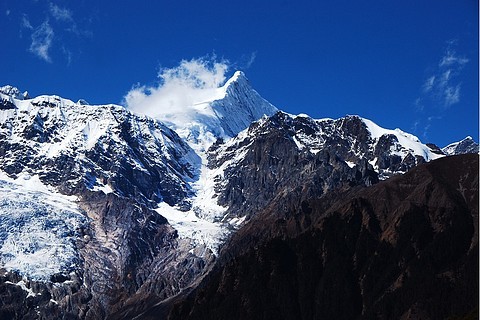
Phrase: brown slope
[406,248]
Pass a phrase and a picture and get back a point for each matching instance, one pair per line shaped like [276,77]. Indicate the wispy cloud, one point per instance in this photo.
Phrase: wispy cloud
[179,89]
[65,16]
[247,61]
[429,121]
[60,14]
[442,87]
[42,39]
[452,59]
[440,90]
[452,95]
[49,38]
[25,23]
[428,85]
[68,55]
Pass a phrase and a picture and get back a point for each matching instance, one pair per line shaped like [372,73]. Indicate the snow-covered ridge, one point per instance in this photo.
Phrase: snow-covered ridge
[13,92]
[99,141]
[351,138]
[408,142]
[164,162]
[230,111]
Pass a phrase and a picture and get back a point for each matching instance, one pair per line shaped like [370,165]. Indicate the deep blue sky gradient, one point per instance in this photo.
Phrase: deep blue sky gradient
[323,58]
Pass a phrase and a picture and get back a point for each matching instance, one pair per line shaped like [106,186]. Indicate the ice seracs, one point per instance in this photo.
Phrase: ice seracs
[38,228]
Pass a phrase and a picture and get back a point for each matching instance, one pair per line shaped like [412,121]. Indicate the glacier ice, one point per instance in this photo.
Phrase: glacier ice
[37,231]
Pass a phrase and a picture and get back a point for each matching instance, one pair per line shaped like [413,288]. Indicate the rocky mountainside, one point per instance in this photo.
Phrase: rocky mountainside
[405,248]
[79,185]
[75,147]
[105,213]
[290,151]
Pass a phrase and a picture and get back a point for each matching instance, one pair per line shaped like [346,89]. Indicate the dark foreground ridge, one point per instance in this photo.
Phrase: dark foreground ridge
[405,248]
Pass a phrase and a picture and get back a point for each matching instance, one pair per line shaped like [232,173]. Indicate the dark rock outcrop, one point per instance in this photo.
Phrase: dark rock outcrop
[406,248]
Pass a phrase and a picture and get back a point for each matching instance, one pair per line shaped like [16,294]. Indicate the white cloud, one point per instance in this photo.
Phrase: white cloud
[452,59]
[180,88]
[7,12]
[26,22]
[248,60]
[419,104]
[442,87]
[451,95]
[65,16]
[60,14]
[43,36]
[428,85]
[42,39]
[253,56]
[68,55]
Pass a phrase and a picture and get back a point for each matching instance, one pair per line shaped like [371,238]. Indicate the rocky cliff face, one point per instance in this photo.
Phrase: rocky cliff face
[406,248]
[286,152]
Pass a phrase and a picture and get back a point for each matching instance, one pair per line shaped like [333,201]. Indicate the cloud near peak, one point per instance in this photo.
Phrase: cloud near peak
[179,88]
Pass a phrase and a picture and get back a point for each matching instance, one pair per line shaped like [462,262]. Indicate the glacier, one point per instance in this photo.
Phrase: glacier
[38,228]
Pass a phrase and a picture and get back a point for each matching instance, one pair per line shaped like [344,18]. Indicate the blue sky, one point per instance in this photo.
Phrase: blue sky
[406,64]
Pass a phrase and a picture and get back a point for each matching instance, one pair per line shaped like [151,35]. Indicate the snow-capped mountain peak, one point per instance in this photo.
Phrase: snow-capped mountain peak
[407,142]
[228,110]
[467,145]
[13,92]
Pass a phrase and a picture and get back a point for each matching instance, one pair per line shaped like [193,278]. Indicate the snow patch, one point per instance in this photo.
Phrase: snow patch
[22,284]
[350,164]
[189,226]
[99,186]
[299,145]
